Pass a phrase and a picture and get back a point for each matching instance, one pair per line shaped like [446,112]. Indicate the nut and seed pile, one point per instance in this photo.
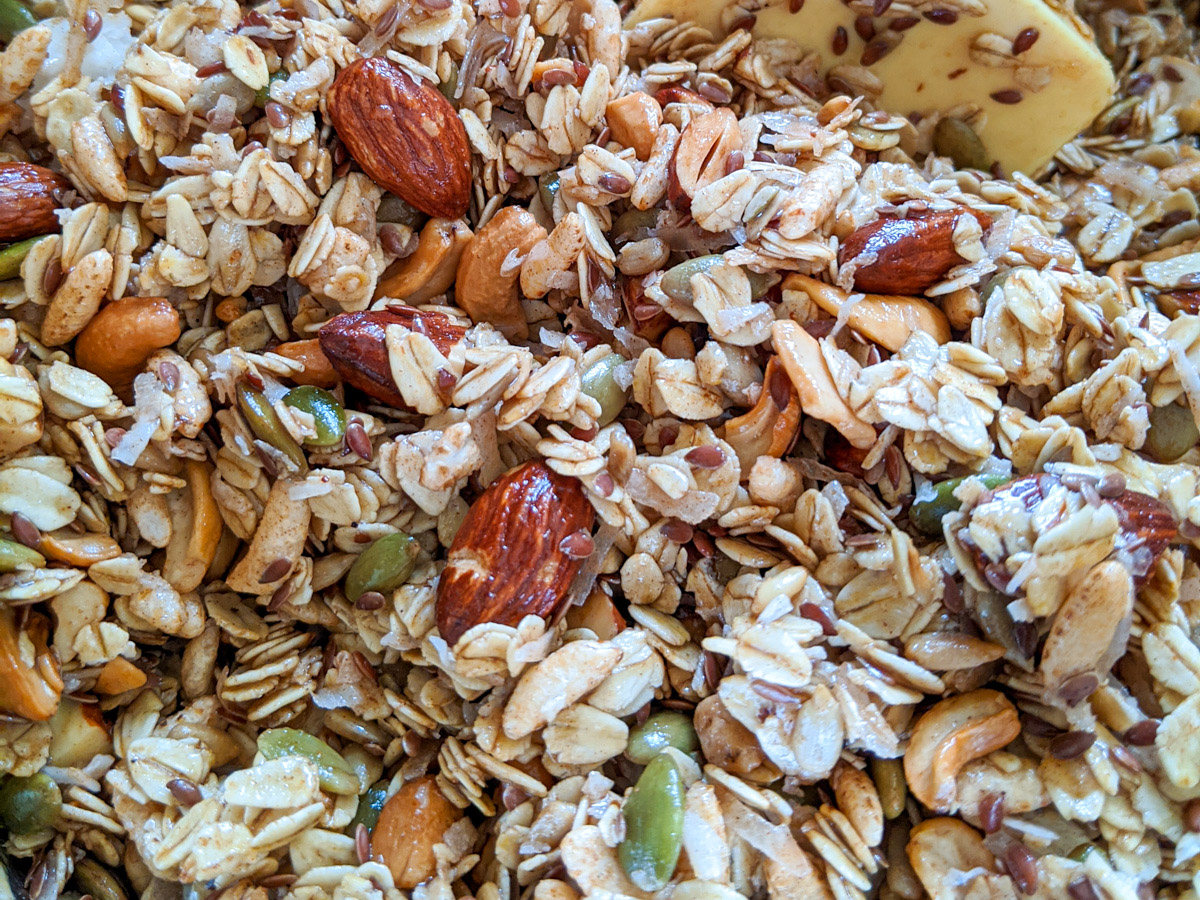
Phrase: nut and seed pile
[471,449]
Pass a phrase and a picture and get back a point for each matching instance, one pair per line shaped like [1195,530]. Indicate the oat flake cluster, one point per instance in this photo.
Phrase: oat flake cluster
[468,449]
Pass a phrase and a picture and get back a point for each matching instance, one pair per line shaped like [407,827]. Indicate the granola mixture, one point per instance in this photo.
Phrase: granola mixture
[471,449]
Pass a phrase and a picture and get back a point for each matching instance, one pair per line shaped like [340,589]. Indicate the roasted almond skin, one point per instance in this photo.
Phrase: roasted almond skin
[404,134]
[27,202]
[354,344]
[505,562]
[906,255]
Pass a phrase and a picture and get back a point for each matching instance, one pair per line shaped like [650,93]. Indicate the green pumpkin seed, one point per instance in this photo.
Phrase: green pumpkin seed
[548,188]
[450,85]
[336,775]
[266,425]
[14,555]
[631,220]
[599,383]
[677,282]
[13,255]
[29,804]
[329,418]
[653,825]
[370,805]
[888,775]
[96,880]
[383,566]
[263,95]
[956,139]
[393,209]
[926,514]
[668,728]
[15,17]
[1172,432]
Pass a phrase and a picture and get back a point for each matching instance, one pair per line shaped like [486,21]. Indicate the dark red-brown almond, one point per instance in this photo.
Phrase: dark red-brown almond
[505,562]
[905,255]
[356,347]
[28,202]
[404,134]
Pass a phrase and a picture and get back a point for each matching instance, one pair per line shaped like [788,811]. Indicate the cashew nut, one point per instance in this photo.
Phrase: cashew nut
[953,732]
[805,365]
[119,340]
[888,321]
[77,299]
[486,288]
[634,120]
[1086,623]
[196,527]
[431,269]
[939,848]
[80,550]
[282,530]
[771,426]
[318,370]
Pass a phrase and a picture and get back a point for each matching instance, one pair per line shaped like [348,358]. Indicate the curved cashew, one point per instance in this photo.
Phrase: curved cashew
[953,732]
[431,269]
[77,299]
[772,425]
[805,365]
[196,527]
[282,530]
[318,370]
[1087,622]
[117,342]
[938,848]
[888,321]
[80,550]
[485,288]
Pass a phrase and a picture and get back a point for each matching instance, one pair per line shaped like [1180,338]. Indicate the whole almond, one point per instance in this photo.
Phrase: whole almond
[409,825]
[27,201]
[404,134]
[506,561]
[355,345]
[905,255]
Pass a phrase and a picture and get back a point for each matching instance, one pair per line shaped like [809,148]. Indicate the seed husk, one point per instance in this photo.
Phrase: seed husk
[29,804]
[336,775]
[329,417]
[677,282]
[653,825]
[266,425]
[663,729]
[599,384]
[382,567]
